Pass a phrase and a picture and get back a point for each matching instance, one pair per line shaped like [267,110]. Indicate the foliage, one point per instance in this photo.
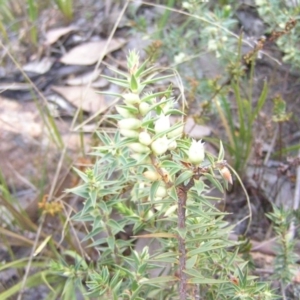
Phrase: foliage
[150,180]
[285,265]
[210,28]
[278,14]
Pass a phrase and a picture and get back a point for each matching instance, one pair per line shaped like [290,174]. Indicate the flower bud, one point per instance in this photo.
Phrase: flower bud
[165,175]
[161,192]
[139,148]
[144,108]
[129,133]
[172,145]
[226,174]
[160,146]
[129,123]
[176,133]
[162,123]
[131,98]
[145,138]
[196,152]
[152,175]
[124,112]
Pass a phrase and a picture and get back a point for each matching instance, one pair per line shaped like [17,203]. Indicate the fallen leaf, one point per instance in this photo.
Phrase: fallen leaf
[14,86]
[100,83]
[89,53]
[39,66]
[54,34]
[81,97]
[83,78]
[14,119]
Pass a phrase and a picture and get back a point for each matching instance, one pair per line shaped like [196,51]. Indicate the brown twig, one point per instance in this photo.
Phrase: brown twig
[182,195]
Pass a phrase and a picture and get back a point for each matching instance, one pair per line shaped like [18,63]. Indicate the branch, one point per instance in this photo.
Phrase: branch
[182,195]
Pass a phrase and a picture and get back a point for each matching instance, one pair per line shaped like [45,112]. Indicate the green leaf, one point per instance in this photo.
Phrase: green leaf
[175,112]
[151,96]
[204,280]
[191,262]
[199,278]
[134,84]
[98,228]
[111,242]
[170,164]
[161,279]
[260,103]
[116,227]
[215,182]
[93,197]
[141,68]
[82,175]
[199,186]
[221,152]
[208,246]
[153,190]
[173,193]
[183,177]
[156,79]
[81,190]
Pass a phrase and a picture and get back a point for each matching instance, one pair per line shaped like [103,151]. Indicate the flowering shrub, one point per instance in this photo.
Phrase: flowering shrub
[154,182]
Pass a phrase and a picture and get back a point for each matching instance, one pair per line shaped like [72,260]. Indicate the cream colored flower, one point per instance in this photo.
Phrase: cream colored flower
[152,175]
[129,133]
[129,123]
[139,148]
[124,112]
[131,98]
[162,123]
[160,146]
[144,108]
[145,138]
[196,152]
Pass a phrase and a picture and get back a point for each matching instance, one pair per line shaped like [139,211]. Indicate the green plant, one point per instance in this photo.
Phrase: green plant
[66,7]
[286,259]
[240,131]
[277,15]
[151,181]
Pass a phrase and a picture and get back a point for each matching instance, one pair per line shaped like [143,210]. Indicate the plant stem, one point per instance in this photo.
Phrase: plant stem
[182,195]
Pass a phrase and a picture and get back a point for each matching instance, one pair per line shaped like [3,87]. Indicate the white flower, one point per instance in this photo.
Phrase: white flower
[162,123]
[131,98]
[160,146]
[145,138]
[161,192]
[152,175]
[144,108]
[196,152]
[125,113]
[129,123]
[139,148]
[172,145]
[129,133]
